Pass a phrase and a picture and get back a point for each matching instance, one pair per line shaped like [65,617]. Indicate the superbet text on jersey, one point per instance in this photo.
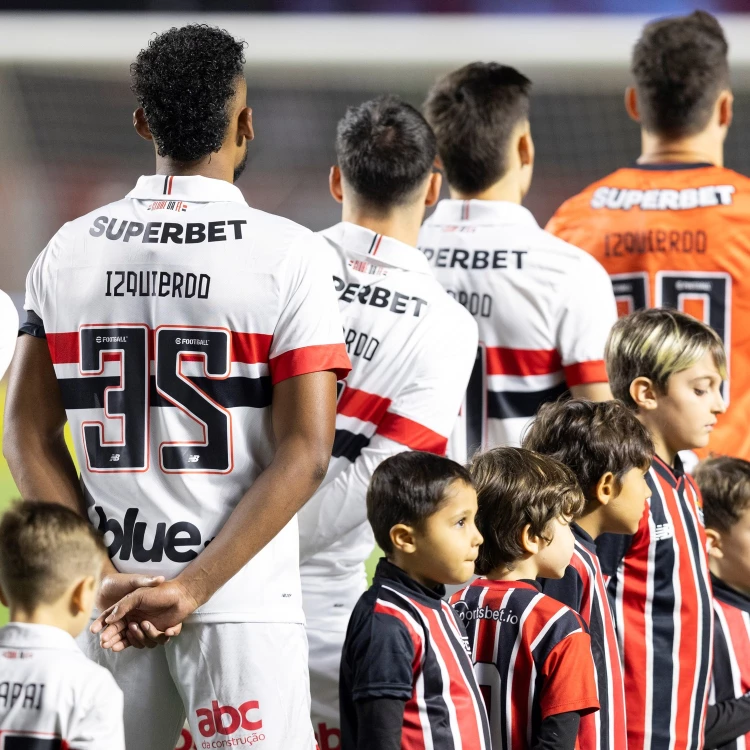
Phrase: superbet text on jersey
[169,317]
[544,310]
[677,235]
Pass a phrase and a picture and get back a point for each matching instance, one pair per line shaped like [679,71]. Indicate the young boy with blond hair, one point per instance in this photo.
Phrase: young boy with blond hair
[608,450]
[51,696]
[531,653]
[668,368]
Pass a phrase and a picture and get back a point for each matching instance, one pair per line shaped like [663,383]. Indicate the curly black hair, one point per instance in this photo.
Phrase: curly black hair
[184,80]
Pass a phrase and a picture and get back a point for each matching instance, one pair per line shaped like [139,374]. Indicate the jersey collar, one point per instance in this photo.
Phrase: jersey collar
[481,212]
[521,583]
[672,474]
[194,189]
[583,537]
[379,249]
[726,594]
[388,573]
[28,635]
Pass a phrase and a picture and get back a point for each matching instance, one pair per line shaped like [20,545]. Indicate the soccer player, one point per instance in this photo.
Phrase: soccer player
[667,367]
[725,485]
[194,345]
[608,450]
[8,331]
[531,654]
[544,308]
[674,228]
[412,349]
[406,678]
[51,696]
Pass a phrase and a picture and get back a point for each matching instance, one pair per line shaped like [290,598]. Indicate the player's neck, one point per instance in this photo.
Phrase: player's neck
[526,569]
[696,149]
[400,225]
[662,447]
[214,166]
[507,189]
[56,615]
[592,523]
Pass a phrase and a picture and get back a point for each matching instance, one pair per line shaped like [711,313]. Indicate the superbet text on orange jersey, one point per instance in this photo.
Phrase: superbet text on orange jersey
[677,235]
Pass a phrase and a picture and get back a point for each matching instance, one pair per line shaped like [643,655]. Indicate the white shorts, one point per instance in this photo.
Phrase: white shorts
[328,604]
[240,684]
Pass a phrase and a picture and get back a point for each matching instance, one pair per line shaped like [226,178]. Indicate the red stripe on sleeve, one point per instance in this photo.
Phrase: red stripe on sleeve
[251,348]
[362,405]
[63,347]
[309,359]
[504,361]
[583,373]
[412,434]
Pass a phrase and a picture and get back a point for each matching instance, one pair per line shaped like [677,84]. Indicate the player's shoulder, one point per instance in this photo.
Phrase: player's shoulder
[570,263]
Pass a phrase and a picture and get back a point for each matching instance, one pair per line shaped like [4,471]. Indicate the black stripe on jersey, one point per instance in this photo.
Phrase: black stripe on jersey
[166,184]
[524,404]
[88,393]
[722,670]
[349,444]
[437,709]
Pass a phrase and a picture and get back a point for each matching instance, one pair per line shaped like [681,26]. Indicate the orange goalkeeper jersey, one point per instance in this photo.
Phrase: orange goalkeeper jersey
[677,235]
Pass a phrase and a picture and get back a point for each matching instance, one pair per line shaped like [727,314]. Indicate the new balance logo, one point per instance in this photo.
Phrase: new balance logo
[193,458]
[663,531]
[114,457]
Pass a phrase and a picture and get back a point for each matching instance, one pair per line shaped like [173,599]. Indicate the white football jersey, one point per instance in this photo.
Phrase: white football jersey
[8,331]
[412,349]
[169,317]
[52,697]
[544,310]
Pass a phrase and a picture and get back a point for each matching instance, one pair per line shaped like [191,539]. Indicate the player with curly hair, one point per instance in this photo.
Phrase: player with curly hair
[193,344]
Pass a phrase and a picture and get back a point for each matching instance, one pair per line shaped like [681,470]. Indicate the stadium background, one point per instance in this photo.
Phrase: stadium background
[67,144]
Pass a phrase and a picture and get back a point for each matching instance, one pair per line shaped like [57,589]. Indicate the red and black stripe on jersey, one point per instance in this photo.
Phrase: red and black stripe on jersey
[660,593]
[531,655]
[404,642]
[731,667]
[583,589]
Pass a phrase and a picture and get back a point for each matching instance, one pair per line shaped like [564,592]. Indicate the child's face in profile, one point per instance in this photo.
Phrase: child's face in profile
[448,542]
[554,556]
[687,413]
[625,511]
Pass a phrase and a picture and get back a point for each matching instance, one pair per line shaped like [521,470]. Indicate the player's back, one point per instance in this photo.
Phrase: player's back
[677,235]
[543,308]
[52,697]
[169,316]
[412,348]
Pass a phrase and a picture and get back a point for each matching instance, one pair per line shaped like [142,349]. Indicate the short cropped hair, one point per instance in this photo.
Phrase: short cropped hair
[408,488]
[680,68]
[44,547]
[184,80]
[385,150]
[515,488]
[655,344]
[724,483]
[591,439]
[473,112]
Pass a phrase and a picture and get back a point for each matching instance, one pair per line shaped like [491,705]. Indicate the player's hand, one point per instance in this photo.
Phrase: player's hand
[116,585]
[158,612]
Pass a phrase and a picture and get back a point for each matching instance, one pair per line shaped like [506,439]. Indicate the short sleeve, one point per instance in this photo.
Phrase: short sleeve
[308,336]
[423,414]
[36,283]
[588,313]
[8,331]
[569,677]
[381,656]
[100,723]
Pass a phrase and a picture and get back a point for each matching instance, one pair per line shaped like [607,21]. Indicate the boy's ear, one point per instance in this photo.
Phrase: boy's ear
[714,544]
[606,488]
[82,596]
[529,542]
[334,184]
[3,598]
[402,538]
[643,392]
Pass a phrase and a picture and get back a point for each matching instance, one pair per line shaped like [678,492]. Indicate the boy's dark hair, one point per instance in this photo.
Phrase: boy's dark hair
[657,343]
[184,81]
[408,488]
[591,439]
[725,485]
[517,487]
[680,67]
[385,150]
[473,112]
[44,547]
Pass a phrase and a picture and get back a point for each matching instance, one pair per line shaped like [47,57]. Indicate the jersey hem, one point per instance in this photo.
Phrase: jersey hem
[308,359]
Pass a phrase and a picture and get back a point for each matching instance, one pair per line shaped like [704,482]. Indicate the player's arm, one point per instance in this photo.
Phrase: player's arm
[726,721]
[588,313]
[33,440]
[381,721]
